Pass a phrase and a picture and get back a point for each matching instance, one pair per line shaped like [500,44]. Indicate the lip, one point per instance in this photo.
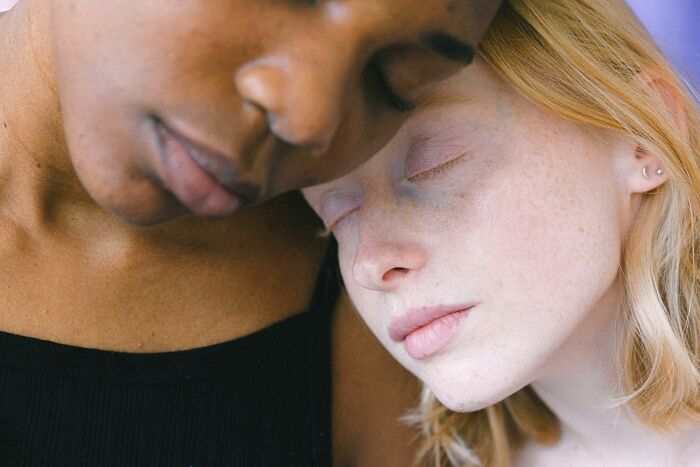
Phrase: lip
[205,182]
[425,331]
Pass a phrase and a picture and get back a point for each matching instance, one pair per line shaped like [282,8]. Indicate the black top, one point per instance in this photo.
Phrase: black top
[260,400]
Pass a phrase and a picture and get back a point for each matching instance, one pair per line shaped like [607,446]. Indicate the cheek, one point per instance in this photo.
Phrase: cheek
[555,225]
[544,213]
[537,243]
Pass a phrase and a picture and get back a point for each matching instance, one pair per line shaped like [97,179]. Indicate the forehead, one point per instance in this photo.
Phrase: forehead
[473,84]
[476,97]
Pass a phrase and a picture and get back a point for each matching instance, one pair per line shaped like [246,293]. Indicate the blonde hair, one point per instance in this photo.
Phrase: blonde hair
[591,61]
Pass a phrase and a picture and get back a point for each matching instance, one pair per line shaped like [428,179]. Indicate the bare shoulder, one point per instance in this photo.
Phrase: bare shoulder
[371,391]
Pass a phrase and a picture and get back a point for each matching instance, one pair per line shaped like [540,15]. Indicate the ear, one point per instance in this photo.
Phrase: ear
[643,171]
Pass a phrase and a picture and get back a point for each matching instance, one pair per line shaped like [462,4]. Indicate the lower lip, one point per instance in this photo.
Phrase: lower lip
[434,336]
[196,189]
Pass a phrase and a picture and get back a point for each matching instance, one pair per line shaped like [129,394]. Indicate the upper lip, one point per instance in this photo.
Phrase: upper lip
[416,318]
[218,165]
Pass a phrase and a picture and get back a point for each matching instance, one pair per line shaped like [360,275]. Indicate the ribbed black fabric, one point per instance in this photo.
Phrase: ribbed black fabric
[261,400]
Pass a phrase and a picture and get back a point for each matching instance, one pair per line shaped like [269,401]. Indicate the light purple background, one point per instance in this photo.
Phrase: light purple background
[675,24]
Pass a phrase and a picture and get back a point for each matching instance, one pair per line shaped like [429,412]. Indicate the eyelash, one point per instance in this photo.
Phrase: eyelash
[437,170]
[378,80]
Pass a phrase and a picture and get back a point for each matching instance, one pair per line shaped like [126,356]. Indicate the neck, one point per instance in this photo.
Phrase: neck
[181,284]
[37,176]
[583,389]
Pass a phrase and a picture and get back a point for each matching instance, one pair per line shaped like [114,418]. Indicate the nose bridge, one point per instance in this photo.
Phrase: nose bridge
[318,80]
[330,61]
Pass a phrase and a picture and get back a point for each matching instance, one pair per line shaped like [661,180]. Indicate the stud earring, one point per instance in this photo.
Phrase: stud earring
[659,171]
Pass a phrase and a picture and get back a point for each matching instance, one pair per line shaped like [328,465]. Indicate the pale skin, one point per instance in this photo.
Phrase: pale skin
[483,198]
[75,164]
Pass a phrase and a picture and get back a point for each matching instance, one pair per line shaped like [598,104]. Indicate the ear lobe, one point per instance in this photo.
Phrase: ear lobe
[645,173]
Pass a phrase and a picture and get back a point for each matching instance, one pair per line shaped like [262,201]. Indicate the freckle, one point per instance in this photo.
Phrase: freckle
[4,124]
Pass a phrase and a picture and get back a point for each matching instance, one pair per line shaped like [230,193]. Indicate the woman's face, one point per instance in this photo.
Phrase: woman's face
[203,106]
[482,237]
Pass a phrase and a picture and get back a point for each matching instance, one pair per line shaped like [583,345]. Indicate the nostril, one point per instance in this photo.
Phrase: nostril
[394,273]
[303,105]
[261,85]
[311,127]
[387,265]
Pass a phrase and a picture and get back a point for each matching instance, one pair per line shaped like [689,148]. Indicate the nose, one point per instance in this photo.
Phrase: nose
[385,265]
[301,98]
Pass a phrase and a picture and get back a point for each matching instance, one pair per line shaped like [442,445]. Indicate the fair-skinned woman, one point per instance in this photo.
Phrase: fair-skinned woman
[527,246]
[198,341]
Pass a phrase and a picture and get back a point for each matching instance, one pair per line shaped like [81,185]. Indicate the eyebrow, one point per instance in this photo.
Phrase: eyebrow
[449,47]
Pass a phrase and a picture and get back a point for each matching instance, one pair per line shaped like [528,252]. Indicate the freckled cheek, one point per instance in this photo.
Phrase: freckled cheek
[548,238]
[507,219]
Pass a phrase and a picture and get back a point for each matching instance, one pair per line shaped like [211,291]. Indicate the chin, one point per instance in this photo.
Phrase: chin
[457,402]
[141,219]
[144,214]
[143,206]
[473,395]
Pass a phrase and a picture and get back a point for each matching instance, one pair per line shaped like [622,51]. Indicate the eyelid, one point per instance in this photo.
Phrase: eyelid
[427,151]
[438,169]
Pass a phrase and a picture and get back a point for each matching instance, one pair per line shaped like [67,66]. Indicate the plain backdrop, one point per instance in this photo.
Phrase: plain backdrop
[674,25]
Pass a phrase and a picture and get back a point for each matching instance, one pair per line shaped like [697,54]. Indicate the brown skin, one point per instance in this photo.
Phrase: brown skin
[282,89]
[80,85]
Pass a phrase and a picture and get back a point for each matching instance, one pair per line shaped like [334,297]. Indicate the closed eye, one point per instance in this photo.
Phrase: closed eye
[438,169]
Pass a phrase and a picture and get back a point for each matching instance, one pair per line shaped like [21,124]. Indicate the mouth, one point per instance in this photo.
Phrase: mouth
[204,181]
[427,330]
